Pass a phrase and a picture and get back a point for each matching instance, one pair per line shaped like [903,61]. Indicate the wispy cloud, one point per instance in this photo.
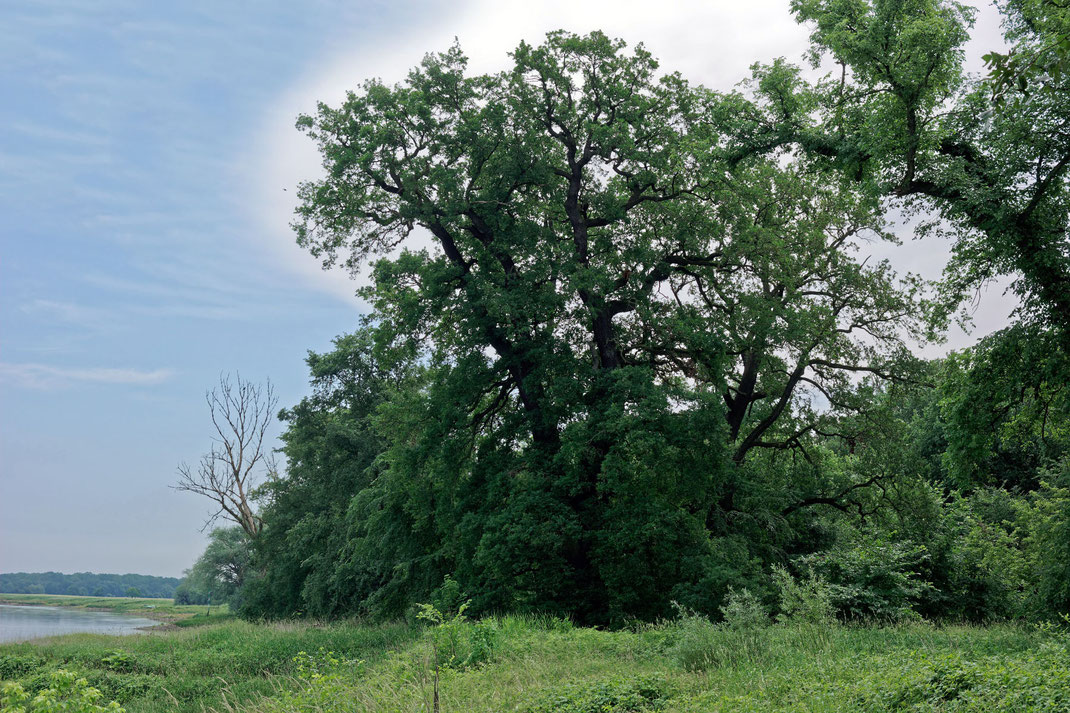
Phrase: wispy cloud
[44,376]
[95,318]
[173,298]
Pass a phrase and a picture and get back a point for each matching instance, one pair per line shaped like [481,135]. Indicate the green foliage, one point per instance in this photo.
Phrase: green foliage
[611,323]
[541,664]
[871,578]
[66,693]
[994,554]
[697,642]
[1047,545]
[1039,57]
[641,359]
[457,642]
[304,561]
[950,682]
[324,664]
[119,660]
[740,640]
[978,559]
[1004,409]
[805,600]
[908,124]
[84,583]
[613,696]
[221,569]
[744,612]
[875,670]
[13,666]
[188,669]
[448,598]
[187,593]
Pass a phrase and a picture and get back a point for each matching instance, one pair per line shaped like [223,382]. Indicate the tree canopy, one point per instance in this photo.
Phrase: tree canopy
[902,117]
[627,347]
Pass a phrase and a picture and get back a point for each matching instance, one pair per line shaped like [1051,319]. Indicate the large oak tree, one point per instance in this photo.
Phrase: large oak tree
[610,316]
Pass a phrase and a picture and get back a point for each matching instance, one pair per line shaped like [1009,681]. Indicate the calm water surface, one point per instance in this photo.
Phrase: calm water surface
[19,623]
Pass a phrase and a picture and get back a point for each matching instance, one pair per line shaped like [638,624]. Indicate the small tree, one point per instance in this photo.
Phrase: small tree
[220,570]
[241,412]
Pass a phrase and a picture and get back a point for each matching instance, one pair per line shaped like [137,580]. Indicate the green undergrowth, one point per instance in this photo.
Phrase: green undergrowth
[545,665]
[536,666]
[207,663]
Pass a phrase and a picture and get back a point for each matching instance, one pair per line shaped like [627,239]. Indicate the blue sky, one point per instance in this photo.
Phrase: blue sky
[130,274]
[147,168]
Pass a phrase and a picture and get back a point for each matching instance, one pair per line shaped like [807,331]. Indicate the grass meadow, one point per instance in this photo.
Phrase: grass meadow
[541,665]
[209,663]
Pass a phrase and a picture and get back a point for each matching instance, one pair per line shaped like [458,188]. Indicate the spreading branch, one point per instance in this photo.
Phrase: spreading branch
[241,412]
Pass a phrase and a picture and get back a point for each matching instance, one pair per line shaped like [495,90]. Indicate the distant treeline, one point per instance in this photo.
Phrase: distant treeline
[88,584]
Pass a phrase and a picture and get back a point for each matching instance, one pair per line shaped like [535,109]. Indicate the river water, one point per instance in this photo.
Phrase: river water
[20,623]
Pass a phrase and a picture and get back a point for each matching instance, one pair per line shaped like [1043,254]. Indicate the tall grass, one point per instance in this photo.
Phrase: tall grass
[539,665]
[190,668]
[792,667]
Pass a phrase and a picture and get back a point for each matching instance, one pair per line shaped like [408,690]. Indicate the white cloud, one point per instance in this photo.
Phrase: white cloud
[44,376]
[678,34]
[709,43]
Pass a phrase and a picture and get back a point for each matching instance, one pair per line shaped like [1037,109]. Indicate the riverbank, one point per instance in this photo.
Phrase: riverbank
[206,664]
[541,665]
[163,610]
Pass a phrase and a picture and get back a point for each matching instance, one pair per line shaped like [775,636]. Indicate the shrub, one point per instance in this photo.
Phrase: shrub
[458,643]
[66,693]
[995,684]
[615,696]
[805,601]
[700,644]
[448,598]
[118,660]
[16,666]
[696,638]
[871,578]
[975,562]
[1048,545]
[743,611]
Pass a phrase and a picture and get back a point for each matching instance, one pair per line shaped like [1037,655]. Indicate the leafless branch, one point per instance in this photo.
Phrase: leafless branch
[241,412]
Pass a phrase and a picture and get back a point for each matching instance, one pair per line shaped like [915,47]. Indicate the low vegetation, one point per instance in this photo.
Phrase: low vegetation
[209,662]
[533,664]
[164,610]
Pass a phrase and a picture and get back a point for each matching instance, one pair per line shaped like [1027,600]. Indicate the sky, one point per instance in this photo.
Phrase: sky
[148,161]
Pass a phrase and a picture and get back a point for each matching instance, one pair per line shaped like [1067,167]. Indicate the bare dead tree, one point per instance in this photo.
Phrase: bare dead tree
[241,413]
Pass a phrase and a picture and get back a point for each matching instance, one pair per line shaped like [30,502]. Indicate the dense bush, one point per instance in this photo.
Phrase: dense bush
[187,593]
[1047,545]
[871,577]
[456,642]
[615,696]
[700,644]
[806,600]
[951,683]
[66,692]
